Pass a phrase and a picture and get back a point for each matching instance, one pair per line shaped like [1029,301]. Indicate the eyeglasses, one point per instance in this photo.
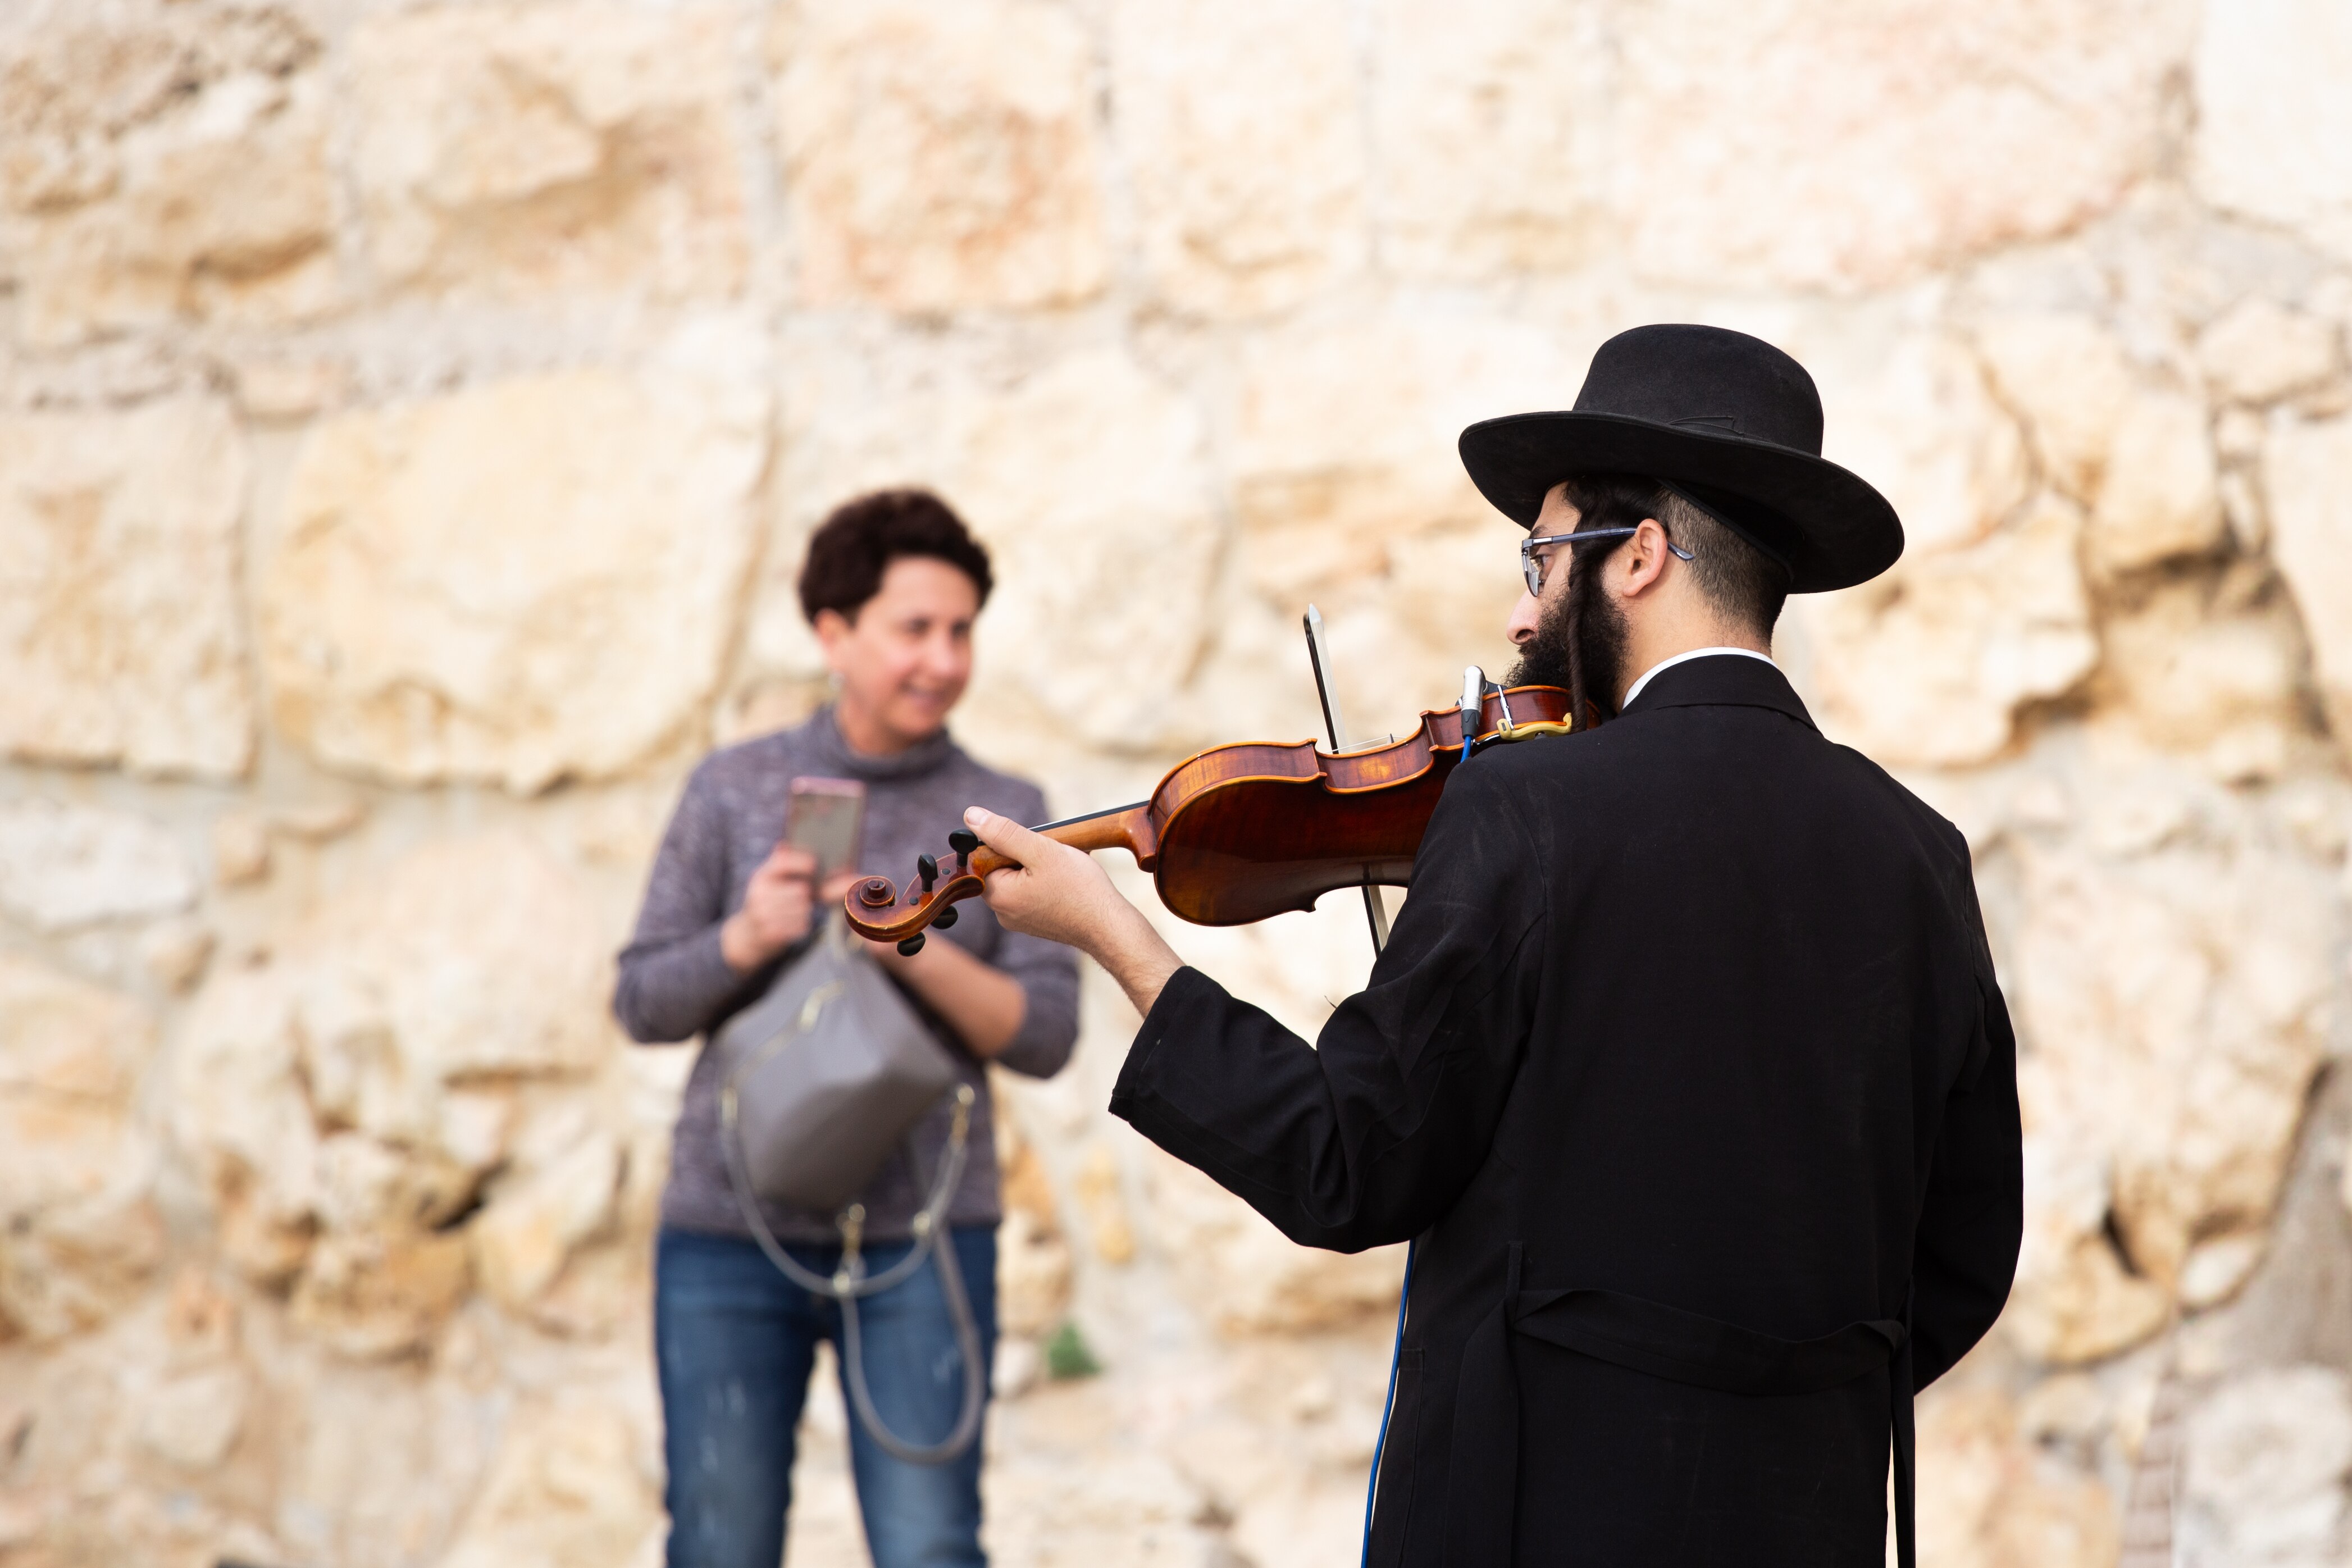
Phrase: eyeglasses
[1533,566]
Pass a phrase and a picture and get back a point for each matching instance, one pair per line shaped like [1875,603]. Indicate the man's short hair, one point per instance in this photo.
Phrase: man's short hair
[1746,586]
[853,548]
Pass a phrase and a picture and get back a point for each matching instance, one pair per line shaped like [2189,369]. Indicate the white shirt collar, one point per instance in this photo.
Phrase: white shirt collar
[1685,659]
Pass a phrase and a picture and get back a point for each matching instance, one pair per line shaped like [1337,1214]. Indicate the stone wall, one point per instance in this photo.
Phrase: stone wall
[410,418]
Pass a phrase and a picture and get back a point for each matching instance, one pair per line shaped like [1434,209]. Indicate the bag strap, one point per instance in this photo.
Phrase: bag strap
[850,1282]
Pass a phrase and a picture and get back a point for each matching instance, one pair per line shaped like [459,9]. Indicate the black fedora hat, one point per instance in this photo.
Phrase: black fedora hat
[1727,420]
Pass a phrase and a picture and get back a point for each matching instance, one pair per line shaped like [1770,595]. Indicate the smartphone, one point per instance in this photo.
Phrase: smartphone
[825,816]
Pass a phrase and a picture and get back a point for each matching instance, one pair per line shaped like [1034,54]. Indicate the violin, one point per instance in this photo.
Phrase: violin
[1251,830]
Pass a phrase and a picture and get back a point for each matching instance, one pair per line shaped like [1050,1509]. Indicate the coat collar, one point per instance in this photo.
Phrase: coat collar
[1720,680]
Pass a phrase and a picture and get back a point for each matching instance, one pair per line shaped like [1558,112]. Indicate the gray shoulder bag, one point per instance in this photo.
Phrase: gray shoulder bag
[824,1076]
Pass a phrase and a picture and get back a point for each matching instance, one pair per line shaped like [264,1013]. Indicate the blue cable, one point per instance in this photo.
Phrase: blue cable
[1396,1356]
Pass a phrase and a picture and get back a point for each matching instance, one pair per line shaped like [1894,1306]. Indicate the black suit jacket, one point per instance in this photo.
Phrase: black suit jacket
[1695,1009]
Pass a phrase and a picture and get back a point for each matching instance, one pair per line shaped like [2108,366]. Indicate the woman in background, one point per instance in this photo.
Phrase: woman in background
[892,585]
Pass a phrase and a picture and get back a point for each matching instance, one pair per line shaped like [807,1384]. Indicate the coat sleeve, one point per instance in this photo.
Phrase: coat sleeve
[674,981]
[1367,1136]
[1048,974]
[1965,1254]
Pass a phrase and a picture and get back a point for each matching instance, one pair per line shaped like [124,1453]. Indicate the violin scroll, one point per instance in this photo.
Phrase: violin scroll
[872,907]
[875,912]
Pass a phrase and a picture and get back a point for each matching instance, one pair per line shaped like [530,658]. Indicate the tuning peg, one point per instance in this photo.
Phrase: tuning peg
[963,841]
[911,946]
[945,917]
[927,870]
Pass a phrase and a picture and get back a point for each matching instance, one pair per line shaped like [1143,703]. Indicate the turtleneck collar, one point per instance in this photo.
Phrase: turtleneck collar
[927,756]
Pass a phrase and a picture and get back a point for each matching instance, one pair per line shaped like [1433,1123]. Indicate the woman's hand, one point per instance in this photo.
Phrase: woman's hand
[779,906]
[1059,893]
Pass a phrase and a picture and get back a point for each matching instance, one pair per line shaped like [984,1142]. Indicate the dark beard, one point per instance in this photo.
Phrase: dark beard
[1580,645]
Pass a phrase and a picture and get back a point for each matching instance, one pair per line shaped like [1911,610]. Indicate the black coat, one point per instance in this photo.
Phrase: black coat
[1686,1072]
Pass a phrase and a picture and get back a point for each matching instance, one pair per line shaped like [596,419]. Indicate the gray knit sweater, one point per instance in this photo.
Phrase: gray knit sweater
[675,984]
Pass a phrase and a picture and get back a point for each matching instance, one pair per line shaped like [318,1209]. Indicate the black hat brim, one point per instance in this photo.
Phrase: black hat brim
[1837,530]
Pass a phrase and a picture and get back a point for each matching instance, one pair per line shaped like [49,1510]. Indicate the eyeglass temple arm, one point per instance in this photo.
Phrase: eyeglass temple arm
[1593,536]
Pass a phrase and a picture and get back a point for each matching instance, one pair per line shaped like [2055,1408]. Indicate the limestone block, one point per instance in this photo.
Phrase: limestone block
[1239,125]
[519,581]
[2070,379]
[941,157]
[1489,126]
[65,865]
[1920,133]
[193,1420]
[531,1223]
[606,1288]
[375,1455]
[2304,469]
[470,960]
[78,1265]
[2172,1012]
[238,1109]
[573,145]
[1916,417]
[1247,1277]
[2273,127]
[1928,663]
[2136,451]
[1399,640]
[2265,1464]
[1032,1275]
[1082,604]
[2259,350]
[61,1038]
[2073,1299]
[78,1235]
[566,1489]
[320,821]
[1316,1518]
[240,848]
[2159,497]
[70,1161]
[119,617]
[1136,1508]
[1097,1189]
[1986,1498]
[174,952]
[164,163]
[365,1184]
[2225,690]
[2217,1269]
[1343,437]
[1033,1260]
[289,389]
[376,1294]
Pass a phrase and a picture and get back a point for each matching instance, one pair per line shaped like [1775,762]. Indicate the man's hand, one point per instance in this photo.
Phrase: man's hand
[1059,893]
[779,905]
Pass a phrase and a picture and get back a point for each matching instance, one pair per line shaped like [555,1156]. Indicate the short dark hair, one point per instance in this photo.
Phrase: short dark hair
[1746,584]
[851,548]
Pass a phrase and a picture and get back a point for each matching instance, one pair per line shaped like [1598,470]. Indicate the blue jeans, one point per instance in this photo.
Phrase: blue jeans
[736,1341]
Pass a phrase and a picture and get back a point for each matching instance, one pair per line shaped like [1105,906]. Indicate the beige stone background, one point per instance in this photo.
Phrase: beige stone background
[409,419]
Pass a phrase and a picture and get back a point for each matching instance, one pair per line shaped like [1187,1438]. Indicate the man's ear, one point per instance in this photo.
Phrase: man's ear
[1644,555]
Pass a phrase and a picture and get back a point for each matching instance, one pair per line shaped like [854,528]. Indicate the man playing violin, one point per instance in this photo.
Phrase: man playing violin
[1685,1070]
